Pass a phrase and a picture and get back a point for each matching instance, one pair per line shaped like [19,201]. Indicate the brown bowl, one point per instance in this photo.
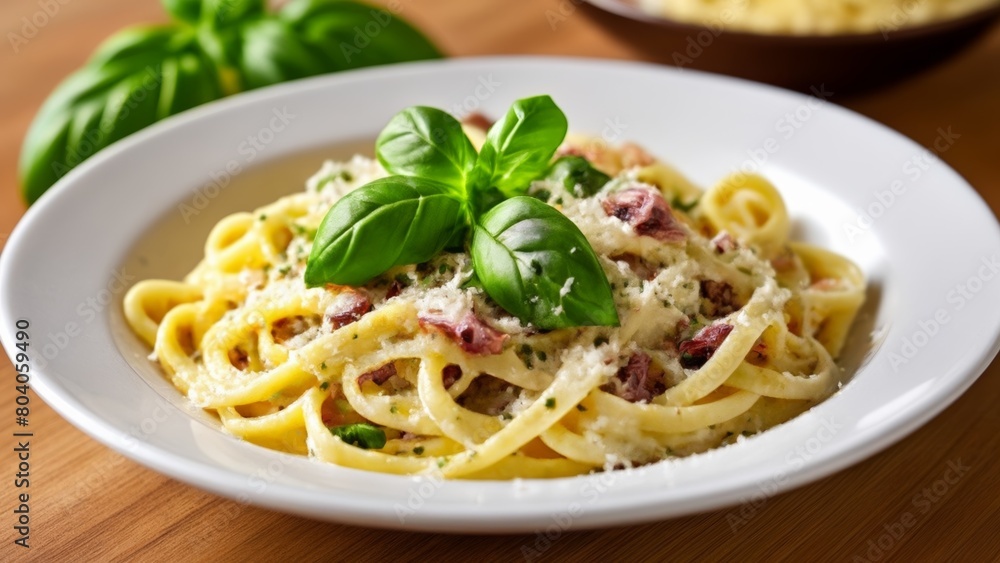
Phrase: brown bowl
[840,63]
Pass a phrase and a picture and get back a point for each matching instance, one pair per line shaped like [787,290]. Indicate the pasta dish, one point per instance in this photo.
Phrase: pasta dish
[716,326]
[813,17]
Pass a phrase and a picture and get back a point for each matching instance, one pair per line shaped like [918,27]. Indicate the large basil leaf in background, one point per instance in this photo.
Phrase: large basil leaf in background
[525,252]
[214,12]
[215,48]
[389,222]
[135,79]
[310,37]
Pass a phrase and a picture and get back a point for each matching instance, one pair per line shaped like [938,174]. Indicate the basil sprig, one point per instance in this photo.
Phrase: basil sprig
[213,48]
[528,257]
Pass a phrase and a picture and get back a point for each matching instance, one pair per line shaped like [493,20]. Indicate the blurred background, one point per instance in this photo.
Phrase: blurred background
[927,77]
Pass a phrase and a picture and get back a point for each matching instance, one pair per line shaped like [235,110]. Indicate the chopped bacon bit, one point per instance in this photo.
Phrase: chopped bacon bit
[784,261]
[721,298]
[239,359]
[478,121]
[759,351]
[395,289]
[378,376]
[633,155]
[696,351]
[470,333]
[636,382]
[288,327]
[328,411]
[647,212]
[347,308]
[450,374]
[724,242]
[638,266]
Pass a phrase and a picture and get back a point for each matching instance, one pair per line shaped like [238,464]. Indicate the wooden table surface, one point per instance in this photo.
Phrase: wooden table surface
[90,503]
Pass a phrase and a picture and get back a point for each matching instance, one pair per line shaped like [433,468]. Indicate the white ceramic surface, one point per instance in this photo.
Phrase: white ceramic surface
[933,241]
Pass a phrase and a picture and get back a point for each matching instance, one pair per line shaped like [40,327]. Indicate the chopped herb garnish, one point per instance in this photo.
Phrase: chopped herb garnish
[362,435]
[393,409]
[419,450]
[679,205]
[262,217]
[403,280]
[581,408]
[322,366]
[542,355]
[325,385]
[506,416]
[600,340]
[550,403]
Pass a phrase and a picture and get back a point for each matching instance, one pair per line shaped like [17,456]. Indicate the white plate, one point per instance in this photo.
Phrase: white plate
[131,207]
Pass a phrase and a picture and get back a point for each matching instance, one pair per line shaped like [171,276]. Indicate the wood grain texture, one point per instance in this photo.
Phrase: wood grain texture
[90,503]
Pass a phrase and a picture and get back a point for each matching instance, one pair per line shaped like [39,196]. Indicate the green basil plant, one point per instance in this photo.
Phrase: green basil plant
[211,49]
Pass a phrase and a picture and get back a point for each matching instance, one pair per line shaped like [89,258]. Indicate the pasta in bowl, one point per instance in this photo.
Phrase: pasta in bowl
[496,301]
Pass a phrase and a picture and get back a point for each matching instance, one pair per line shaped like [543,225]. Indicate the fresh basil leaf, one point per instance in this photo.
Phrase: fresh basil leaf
[355,35]
[310,37]
[535,263]
[272,52]
[482,200]
[221,13]
[389,222]
[188,11]
[215,13]
[136,78]
[426,142]
[518,148]
[576,175]
[362,435]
